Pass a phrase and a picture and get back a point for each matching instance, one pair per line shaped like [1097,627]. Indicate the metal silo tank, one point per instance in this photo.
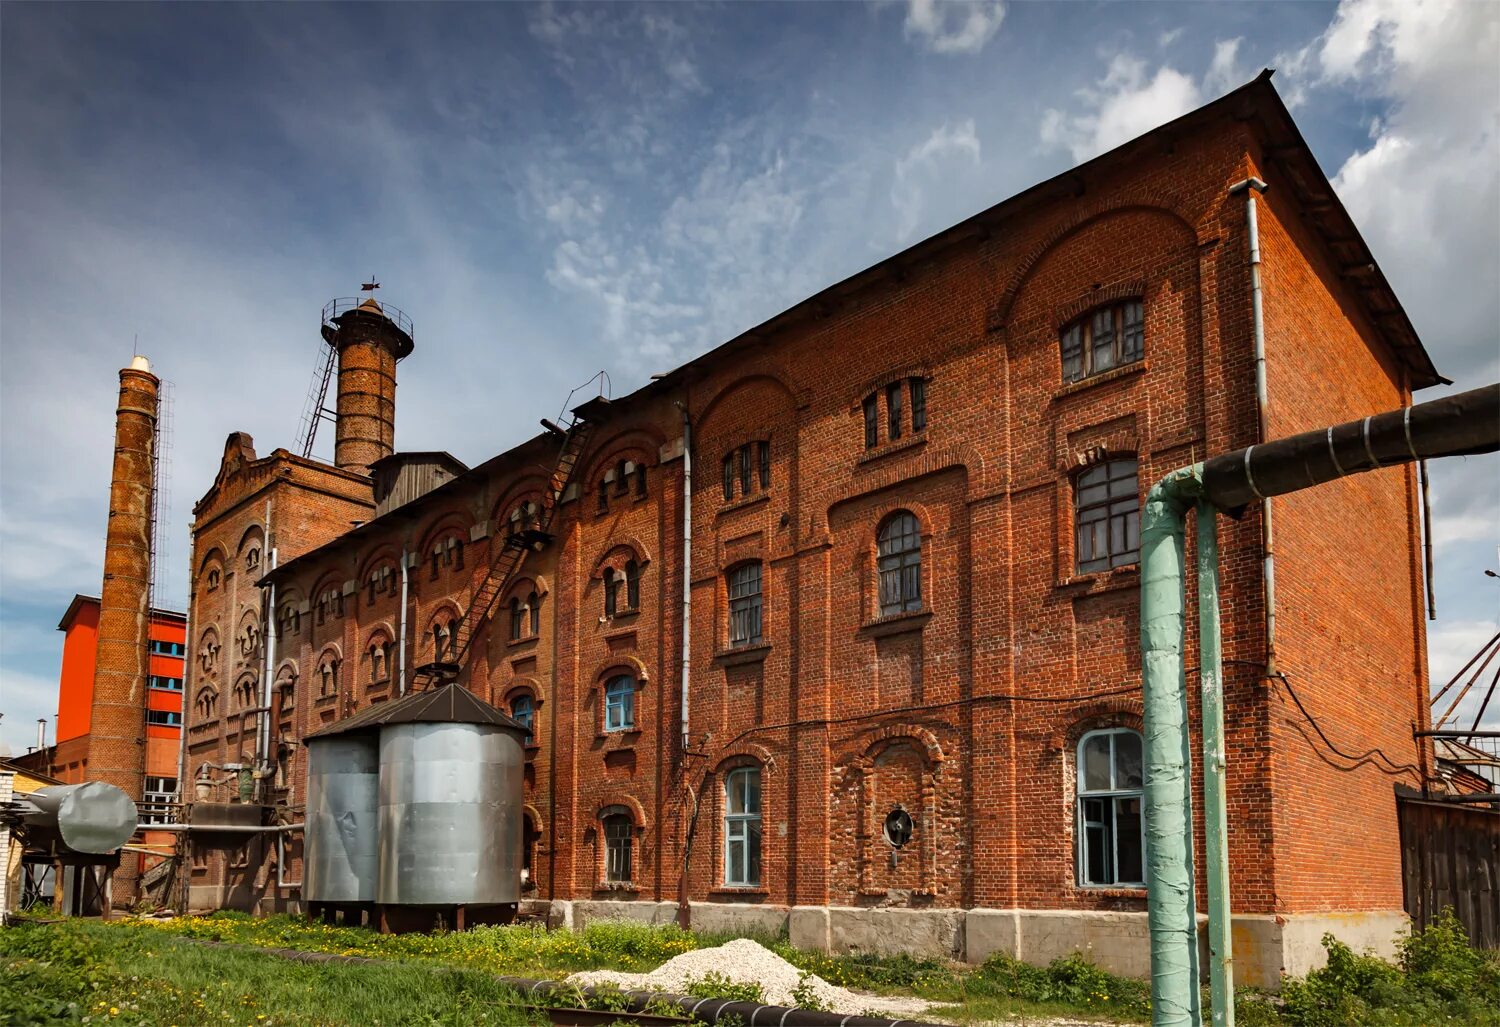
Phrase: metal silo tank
[450,814]
[342,843]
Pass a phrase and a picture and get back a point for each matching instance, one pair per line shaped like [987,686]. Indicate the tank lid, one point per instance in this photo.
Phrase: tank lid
[450,704]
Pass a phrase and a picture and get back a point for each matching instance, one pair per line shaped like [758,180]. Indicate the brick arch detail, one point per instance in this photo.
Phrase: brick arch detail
[630,802]
[523,685]
[527,487]
[703,418]
[629,542]
[620,661]
[929,460]
[1161,202]
[635,444]
[528,810]
[454,522]
[379,628]
[387,551]
[1112,712]
[516,588]
[883,738]
[743,754]
[215,555]
[871,820]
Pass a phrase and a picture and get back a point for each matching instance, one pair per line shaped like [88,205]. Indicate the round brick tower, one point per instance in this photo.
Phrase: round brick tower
[117,717]
[369,339]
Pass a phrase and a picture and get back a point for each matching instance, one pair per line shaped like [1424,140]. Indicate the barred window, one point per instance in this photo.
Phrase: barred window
[899,564]
[611,592]
[749,466]
[872,421]
[517,619]
[918,387]
[534,612]
[763,458]
[744,454]
[1103,339]
[893,410]
[1108,506]
[729,477]
[633,585]
[745,605]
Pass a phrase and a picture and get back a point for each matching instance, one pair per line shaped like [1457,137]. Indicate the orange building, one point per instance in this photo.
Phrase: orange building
[68,760]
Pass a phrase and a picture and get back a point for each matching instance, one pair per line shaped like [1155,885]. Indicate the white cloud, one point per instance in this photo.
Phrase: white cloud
[950,27]
[1125,103]
[927,170]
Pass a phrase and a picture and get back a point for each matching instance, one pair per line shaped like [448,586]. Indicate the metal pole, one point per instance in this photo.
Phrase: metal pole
[1215,801]
[1169,872]
[401,642]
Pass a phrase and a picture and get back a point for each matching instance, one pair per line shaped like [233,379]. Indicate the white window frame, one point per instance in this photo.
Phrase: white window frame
[738,828]
[1112,795]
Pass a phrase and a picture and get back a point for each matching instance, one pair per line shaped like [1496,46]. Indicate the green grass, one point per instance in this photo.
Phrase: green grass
[82,972]
[152,972]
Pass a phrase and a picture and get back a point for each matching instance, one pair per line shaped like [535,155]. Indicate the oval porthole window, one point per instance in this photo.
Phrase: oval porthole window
[898,827]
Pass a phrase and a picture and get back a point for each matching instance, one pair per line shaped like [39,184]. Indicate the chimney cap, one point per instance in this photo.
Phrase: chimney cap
[139,363]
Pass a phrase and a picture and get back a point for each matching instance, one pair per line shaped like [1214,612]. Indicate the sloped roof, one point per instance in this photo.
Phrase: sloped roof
[448,704]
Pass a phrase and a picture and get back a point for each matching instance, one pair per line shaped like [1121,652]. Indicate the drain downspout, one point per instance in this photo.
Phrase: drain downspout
[401,642]
[684,904]
[1250,187]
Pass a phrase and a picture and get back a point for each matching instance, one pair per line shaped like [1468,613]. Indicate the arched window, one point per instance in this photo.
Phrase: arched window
[1111,840]
[1107,512]
[523,709]
[517,619]
[745,609]
[899,564]
[379,653]
[619,703]
[742,827]
[1103,339]
[444,639]
[534,612]
[619,834]
[611,596]
[633,585]
[328,676]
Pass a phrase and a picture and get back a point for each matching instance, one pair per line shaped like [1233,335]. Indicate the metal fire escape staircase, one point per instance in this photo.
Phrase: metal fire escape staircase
[511,556]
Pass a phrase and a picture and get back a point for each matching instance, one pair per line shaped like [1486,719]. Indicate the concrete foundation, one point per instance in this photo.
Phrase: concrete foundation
[1265,947]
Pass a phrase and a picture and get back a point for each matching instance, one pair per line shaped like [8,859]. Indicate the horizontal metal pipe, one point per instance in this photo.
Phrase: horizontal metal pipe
[1458,425]
[1456,800]
[222,828]
[1455,734]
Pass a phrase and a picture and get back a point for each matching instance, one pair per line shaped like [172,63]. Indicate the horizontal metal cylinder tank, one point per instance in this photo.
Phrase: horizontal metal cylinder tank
[341,854]
[93,817]
[450,814]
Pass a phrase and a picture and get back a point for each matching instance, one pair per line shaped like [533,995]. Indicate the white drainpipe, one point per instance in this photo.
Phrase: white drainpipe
[1250,187]
[401,642]
[687,564]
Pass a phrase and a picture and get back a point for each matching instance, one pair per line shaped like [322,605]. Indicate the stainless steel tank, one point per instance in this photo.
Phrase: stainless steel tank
[341,847]
[450,814]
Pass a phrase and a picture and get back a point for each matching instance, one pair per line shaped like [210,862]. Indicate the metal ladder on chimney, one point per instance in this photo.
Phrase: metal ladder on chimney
[516,545]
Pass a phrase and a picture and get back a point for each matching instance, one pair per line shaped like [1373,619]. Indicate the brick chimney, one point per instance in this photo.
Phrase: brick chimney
[369,339]
[117,720]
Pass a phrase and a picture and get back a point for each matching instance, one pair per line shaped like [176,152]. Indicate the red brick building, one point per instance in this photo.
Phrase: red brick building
[913,583]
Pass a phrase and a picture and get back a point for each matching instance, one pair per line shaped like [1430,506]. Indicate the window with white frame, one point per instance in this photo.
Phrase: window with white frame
[899,564]
[158,795]
[1111,839]
[619,837]
[619,703]
[742,827]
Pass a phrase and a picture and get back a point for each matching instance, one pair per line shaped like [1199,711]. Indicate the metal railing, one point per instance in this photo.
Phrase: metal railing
[343,304]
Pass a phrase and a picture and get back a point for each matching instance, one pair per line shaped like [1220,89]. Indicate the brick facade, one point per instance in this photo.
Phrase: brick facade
[966,711]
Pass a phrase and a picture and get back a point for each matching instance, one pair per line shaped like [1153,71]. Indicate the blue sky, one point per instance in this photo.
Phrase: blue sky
[550,189]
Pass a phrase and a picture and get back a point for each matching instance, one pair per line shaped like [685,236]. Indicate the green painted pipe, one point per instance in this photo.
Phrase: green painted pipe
[1215,803]
[1169,868]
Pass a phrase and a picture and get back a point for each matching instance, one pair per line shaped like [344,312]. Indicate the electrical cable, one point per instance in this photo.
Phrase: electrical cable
[1396,768]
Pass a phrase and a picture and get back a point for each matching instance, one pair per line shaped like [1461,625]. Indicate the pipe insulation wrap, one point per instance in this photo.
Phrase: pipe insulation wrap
[1458,425]
[1169,872]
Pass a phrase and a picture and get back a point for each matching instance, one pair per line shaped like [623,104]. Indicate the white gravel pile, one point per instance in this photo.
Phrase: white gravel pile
[748,962]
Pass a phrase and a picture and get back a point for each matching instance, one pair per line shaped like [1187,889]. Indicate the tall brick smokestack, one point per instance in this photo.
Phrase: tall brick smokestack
[117,720]
[369,339]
